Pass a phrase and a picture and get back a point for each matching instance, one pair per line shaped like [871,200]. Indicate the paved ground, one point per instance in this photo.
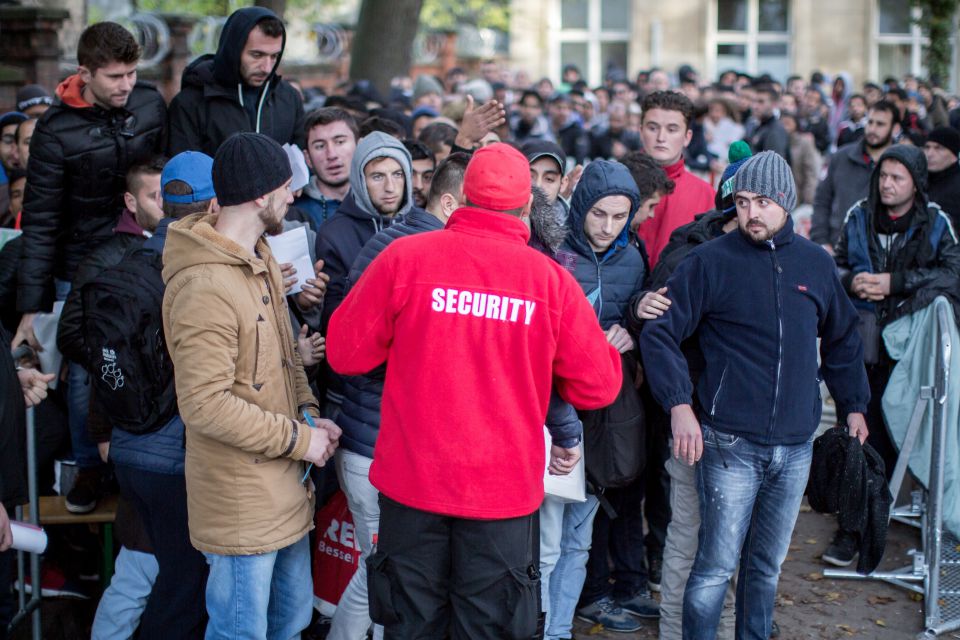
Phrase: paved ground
[810,606]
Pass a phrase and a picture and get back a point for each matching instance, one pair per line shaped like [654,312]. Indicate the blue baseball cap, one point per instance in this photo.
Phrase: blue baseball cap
[194,168]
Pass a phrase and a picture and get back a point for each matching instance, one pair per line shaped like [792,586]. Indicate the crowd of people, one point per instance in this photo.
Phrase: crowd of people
[506,277]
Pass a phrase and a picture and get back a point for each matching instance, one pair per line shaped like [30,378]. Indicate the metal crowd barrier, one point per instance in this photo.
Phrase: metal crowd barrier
[29,608]
[935,571]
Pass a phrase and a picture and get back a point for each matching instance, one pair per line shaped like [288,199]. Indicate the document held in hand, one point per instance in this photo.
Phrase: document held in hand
[569,488]
[291,246]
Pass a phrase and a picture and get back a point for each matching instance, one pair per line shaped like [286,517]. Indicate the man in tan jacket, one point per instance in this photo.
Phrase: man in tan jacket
[242,393]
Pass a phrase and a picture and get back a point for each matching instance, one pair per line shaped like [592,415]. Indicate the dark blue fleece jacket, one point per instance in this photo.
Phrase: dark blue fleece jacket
[759,308]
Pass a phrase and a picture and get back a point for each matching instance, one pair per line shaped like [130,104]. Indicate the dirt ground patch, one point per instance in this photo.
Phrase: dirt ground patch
[811,607]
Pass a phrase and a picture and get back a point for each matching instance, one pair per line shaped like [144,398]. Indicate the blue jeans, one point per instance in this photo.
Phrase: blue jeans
[566,530]
[85,451]
[122,604]
[268,595]
[749,500]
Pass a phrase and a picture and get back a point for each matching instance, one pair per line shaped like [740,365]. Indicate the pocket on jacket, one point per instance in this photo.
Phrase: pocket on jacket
[380,590]
[525,604]
[718,438]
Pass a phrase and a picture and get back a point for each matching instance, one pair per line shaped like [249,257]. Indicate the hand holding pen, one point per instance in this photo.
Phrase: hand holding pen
[324,439]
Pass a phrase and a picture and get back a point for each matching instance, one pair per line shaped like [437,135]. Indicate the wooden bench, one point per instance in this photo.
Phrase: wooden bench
[53,512]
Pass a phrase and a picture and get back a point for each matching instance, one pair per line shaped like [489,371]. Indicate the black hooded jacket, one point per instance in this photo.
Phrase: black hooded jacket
[213,102]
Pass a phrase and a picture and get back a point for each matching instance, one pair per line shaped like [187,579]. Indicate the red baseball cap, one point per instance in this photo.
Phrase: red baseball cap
[497,178]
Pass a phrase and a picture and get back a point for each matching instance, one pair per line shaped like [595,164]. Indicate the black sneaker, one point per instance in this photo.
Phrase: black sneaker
[774,630]
[83,497]
[654,571]
[842,550]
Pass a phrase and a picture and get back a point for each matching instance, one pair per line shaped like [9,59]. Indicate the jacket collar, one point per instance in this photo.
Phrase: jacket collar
[490,224]
[676,169]
[783,237]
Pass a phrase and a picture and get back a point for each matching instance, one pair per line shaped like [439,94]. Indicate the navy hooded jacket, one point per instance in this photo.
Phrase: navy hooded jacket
[759,308]
[611,279]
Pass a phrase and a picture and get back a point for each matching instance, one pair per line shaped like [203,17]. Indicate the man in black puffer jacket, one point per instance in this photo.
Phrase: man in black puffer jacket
[237,89]
[103,123]
[82,147]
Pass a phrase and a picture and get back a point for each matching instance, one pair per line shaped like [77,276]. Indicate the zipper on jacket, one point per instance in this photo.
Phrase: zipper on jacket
[779,303]
[716,396]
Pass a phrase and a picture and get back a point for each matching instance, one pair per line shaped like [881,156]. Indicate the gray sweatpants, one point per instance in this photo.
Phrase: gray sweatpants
[679,552]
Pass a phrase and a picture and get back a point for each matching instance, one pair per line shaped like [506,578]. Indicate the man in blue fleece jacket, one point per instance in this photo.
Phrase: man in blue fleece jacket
[759,298]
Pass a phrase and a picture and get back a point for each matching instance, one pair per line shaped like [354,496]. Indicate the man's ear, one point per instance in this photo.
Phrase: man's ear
[85,75]
[214,206]
[526,208]
[448,203]
[688,137]
[130,201]
[306,158]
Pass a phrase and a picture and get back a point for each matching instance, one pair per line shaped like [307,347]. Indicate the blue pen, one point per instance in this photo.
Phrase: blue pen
[312,425]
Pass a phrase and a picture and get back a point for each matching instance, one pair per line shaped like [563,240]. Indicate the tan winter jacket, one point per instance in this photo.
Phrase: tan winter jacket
[239,383]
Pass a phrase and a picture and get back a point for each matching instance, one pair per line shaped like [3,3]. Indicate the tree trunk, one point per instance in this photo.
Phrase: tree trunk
[277,6]
[383,44]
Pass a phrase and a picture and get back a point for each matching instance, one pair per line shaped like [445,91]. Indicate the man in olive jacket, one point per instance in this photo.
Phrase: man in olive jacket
[242,394]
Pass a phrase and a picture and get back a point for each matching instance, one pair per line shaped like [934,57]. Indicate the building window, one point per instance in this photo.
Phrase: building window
[751,36]
[593,34]
[899,40]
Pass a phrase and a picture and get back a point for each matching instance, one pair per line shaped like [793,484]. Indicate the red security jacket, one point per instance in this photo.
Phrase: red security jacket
[474,327]
[690,196]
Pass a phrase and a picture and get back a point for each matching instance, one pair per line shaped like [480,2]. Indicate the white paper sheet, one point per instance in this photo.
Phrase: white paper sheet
[45,328]
[291,246]
[569,488]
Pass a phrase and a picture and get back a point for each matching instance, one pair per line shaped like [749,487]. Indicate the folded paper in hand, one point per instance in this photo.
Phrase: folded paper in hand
[291,246]
[569,488]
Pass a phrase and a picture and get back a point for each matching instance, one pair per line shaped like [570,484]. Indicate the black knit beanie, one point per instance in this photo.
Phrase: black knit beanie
[248,166]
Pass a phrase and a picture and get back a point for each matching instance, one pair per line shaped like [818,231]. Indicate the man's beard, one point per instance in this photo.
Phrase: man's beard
[419,198]
[883,143]
[762,235]
[272,223]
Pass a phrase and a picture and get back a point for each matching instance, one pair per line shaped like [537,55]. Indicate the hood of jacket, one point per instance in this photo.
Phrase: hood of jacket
[226,63]
[373,146]
[600,179]
[193,241]
[70,92]
[223,68]
[916,163]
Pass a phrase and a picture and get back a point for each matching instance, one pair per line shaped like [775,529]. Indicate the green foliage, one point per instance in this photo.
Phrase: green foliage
[448,14]
[937,19]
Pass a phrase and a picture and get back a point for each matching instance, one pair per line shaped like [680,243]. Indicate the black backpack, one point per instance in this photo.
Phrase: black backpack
[126,353]
[614,438]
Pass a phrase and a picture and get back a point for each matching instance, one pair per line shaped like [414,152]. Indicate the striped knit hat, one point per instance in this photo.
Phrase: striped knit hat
[768,174]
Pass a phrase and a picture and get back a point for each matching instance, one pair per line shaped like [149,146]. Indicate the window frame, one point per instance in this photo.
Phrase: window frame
[593,36]
[752,38]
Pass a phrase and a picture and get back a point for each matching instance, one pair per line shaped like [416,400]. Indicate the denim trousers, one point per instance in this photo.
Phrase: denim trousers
[268,595]
[122,604]
[352,617]
[750,497]
[565,533]
[85,451]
